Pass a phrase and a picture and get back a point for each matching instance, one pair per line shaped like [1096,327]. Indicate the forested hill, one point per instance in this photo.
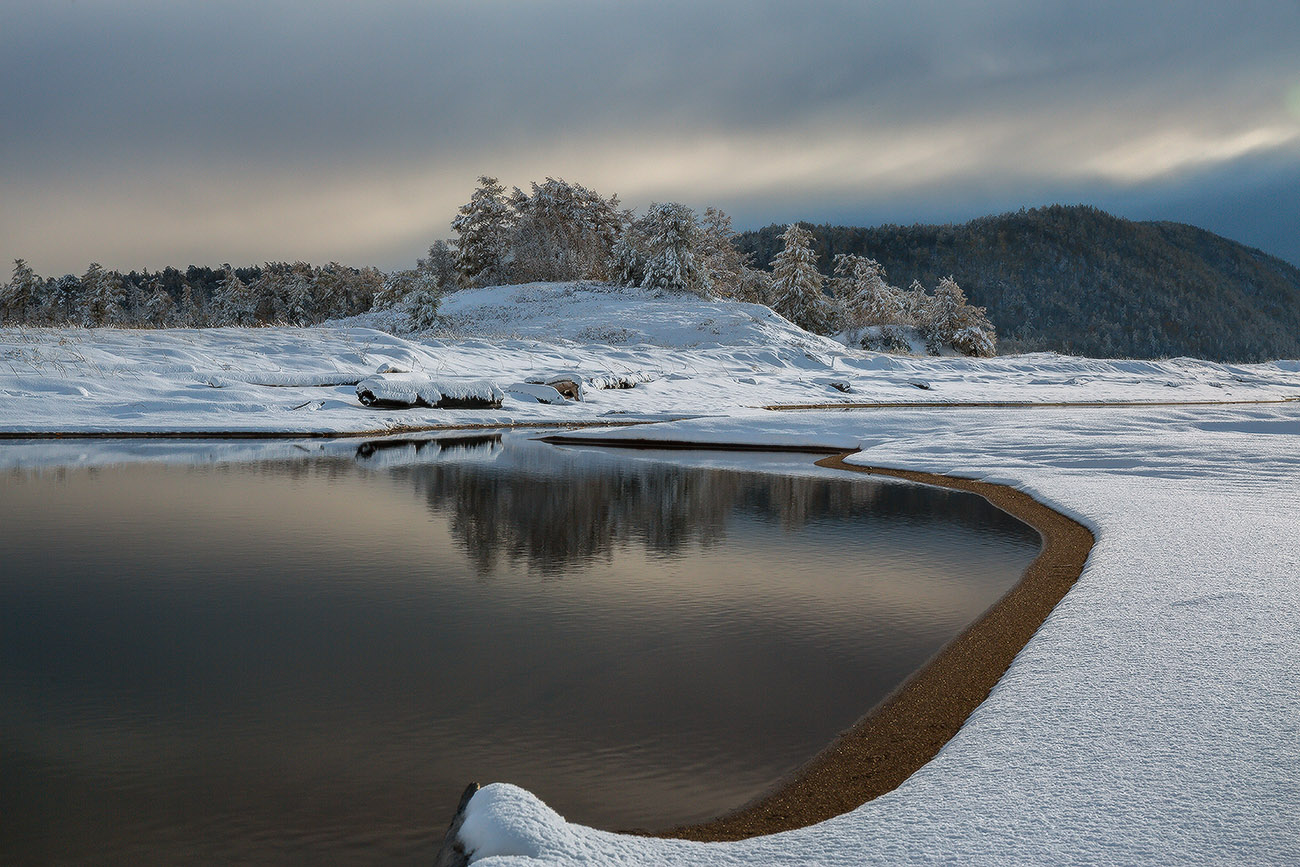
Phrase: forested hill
[1080,281]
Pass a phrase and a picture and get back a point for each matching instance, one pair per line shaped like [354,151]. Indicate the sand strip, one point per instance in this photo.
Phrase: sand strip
[909,727]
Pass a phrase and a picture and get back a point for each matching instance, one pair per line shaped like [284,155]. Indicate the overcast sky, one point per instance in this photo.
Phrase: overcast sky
[153,132]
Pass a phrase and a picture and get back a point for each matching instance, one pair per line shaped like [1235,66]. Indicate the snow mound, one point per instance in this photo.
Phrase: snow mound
[600,313]
[539,392]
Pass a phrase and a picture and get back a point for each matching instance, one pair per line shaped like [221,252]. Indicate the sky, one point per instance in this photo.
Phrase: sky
[143,133]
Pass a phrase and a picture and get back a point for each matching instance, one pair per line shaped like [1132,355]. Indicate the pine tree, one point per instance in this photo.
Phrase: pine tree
[424,301]
[483,227]
[68,297]
[300,295]
[862,295]
[951,321]
[102,297]
[159,306]
[628,256]
[440,263]
[235,303]
[672,239]
[188,313]
[397,286]
[20,296]
[797,284]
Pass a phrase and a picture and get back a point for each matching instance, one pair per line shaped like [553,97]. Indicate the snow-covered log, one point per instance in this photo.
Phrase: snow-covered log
[410,390]
[626,379]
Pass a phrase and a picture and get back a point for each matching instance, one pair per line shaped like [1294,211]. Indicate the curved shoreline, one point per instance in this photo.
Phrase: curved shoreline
[909,726]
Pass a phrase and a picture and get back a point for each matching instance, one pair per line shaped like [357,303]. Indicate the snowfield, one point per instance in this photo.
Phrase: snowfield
[1154,717]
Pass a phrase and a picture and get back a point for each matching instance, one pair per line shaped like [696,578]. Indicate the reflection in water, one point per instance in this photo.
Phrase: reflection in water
[297,660]
[570,508]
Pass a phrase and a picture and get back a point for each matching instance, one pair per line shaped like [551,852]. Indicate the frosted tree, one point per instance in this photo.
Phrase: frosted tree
[235,302]
[918,304]
[951,321]
[628,255]
[299,288]
[67,297]
[672,239]
[729,271]
[563,231]
[797,284]
[102,296]
[440,264]
[423,307]
[482,228]
[159,306]
[396,286]
[862,295]
[188,312]
[21,295]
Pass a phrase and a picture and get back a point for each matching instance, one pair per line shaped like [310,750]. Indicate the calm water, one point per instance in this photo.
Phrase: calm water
[306,659]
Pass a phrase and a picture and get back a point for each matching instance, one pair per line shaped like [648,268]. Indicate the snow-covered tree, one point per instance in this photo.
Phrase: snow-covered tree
[440,264]
[159,306]
[66,298]
[235,303]
[728,269]
[797,284]
[672,240]
[951,321]
[102,296]
[20,297]
[423,305]
[627,258]
[862,295]
[188,312]
[483,227]
[397,285]
[562,231]
[299,287]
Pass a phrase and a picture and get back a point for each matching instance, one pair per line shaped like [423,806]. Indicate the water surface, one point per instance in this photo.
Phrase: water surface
[306,658]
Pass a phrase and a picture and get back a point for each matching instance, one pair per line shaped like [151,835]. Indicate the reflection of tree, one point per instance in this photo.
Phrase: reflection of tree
[553,509]
[553,521]
[552,517]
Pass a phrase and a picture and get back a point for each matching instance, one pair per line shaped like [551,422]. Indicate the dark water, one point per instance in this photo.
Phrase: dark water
[305,660]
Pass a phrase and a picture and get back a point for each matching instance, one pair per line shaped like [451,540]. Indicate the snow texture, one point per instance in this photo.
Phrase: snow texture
[1152,719]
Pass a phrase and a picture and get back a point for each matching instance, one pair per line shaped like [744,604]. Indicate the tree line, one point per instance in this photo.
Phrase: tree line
[274,293]
[557,231]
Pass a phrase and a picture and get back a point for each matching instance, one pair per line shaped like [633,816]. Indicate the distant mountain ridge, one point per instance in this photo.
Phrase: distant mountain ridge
[1075,279]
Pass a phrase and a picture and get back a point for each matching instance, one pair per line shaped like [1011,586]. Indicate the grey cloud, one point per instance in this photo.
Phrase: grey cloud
[315,93]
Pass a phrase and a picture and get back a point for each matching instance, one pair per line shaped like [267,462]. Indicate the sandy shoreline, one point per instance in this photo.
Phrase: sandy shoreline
[909,727]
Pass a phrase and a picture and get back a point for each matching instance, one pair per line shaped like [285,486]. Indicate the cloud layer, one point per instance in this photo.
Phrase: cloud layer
[148,133]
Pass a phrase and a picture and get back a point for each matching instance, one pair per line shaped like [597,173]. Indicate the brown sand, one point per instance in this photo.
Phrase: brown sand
[911,725]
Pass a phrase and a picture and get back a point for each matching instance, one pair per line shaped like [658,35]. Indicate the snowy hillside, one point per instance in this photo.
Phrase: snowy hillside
[601,313]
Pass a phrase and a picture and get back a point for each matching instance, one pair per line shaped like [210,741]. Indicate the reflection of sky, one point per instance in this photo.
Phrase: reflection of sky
[311,626]
[143,132]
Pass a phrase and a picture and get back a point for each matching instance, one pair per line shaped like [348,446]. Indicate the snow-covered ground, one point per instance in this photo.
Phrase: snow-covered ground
[1154,717]
[699,357]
